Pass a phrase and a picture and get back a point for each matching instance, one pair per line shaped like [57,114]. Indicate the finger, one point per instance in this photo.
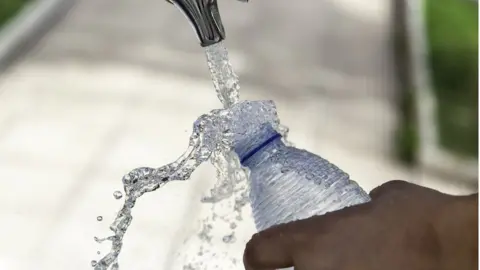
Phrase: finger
[301,241]
[284,245]
[270,249]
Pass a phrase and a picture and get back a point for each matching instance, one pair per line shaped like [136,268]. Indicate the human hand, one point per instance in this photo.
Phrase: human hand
[405,226]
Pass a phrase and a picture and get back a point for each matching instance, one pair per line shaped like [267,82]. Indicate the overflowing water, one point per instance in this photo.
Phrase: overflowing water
[210,140]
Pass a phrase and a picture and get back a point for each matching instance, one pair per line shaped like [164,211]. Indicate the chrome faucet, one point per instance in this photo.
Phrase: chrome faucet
[205,19]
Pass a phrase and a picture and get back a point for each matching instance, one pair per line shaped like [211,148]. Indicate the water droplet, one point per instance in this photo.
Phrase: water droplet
[99,218]
[117,195]
[233,225]
[93,263]
[229,238]
[98,239]
[98,252]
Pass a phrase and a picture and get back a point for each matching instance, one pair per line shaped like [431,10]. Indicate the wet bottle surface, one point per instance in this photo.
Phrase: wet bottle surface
[287,183]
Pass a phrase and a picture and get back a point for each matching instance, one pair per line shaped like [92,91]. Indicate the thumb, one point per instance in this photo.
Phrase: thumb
[270,249]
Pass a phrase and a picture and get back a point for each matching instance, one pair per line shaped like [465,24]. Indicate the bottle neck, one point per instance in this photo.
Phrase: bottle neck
[250,144]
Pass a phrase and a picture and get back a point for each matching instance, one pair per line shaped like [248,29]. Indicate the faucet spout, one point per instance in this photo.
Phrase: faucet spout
[205,19]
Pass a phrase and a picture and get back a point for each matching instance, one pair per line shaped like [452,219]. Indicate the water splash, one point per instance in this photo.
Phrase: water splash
[211,139]
[139,181]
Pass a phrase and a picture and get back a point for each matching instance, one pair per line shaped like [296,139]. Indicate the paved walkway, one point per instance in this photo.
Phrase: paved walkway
[118,84]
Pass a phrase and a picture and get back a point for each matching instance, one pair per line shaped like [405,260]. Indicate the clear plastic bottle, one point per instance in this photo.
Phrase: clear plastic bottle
[287,183]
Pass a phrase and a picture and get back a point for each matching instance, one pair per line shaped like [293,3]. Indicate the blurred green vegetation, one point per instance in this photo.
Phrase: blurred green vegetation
[8,8]
[452,40]
[452,31]
[407,143]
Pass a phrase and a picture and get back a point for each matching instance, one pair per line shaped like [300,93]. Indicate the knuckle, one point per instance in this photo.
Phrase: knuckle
[388,187]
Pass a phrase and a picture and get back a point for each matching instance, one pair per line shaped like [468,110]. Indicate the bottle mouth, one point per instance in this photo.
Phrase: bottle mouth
[243,127]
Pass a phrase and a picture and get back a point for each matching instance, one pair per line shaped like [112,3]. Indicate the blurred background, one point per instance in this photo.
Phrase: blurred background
[93,88]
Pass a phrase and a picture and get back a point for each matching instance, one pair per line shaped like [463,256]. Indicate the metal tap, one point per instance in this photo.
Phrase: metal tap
[205,19]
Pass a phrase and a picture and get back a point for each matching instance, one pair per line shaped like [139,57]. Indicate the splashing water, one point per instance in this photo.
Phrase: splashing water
[117,195]
[210,139]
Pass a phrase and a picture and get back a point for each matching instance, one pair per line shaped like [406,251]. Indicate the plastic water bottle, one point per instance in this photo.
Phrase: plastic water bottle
[286,183]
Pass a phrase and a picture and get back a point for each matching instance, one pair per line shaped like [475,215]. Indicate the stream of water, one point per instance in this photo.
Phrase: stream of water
[209,141]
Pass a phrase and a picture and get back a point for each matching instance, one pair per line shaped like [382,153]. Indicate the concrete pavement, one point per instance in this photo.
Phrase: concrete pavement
[118,85]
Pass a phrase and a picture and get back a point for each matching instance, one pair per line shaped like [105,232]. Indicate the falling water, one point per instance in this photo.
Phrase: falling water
[224,79]
[209,140]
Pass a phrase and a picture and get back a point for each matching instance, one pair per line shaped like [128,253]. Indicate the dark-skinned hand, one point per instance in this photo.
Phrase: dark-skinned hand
[404,227]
